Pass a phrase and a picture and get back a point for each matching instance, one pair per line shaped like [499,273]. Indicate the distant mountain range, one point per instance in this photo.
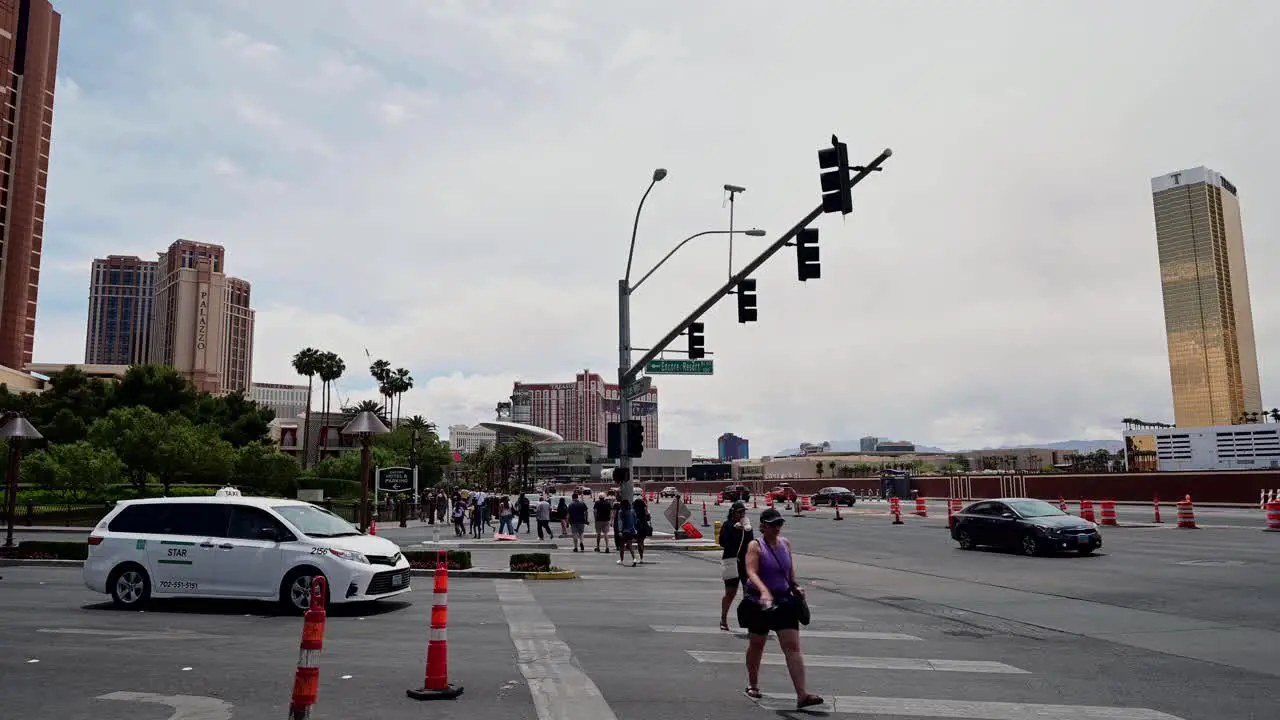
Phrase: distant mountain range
[1080,446]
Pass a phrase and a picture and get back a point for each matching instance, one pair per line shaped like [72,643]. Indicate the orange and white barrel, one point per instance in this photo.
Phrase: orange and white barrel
[922,509]
[1186,514]
[1086,510]
[1108,512]
[1273,516]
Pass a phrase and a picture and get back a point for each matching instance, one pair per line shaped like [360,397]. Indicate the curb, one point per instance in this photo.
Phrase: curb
[702,547]
[481,574]
[479,546]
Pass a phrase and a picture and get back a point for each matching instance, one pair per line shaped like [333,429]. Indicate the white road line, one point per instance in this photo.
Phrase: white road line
[867,663]
[560,689]
[130,635]
[676,612]
[962,709]
[830,634]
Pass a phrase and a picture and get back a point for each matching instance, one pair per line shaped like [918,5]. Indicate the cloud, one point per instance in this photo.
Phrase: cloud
[452,184]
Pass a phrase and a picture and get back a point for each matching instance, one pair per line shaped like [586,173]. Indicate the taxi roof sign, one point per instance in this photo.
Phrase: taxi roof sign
[227,491]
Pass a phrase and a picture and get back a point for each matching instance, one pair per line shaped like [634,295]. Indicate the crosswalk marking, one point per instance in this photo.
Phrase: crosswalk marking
[962,709]
[818,618]
[868,663]
[829,634]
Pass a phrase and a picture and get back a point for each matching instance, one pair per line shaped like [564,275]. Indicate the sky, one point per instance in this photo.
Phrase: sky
[451,185]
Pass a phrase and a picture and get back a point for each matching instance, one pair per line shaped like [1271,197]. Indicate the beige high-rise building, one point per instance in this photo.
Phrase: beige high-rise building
[201,322]
[1213,360]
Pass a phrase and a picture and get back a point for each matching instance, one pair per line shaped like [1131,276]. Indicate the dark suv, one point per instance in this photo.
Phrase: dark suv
[733,493]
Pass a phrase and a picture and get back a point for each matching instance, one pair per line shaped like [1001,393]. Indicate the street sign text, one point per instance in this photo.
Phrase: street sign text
[680,367]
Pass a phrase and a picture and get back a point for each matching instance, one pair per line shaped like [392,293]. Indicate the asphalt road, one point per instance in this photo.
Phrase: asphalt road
[905,626]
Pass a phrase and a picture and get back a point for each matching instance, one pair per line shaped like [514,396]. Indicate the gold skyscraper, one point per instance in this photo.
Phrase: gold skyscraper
[1213,361]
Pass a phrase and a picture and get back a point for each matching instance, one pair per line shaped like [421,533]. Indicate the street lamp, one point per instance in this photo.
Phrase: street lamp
[753,232]
[17,430]
[365,425]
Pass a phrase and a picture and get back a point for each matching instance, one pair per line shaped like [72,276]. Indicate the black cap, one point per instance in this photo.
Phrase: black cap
[771,516]
[738,505]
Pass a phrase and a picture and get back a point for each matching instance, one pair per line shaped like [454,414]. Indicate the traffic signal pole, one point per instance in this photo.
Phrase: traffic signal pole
[628,372]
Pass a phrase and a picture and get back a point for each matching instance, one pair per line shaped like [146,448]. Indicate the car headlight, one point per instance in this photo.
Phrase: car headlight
[350,555]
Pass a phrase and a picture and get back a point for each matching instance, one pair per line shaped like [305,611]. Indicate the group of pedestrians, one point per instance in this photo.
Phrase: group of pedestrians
[628,523]
[772,601]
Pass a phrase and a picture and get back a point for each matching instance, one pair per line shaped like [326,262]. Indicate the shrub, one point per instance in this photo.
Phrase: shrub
[426,559]
[53,550]
[334,488]
[531,562]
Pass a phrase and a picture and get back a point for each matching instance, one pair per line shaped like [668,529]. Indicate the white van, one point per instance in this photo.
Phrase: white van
[237,547]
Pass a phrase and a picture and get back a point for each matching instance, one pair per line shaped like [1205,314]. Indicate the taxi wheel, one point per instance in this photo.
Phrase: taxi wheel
[130,586]
[295,589]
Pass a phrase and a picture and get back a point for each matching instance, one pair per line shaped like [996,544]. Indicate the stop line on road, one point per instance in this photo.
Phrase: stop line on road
[828,634]
[867,663]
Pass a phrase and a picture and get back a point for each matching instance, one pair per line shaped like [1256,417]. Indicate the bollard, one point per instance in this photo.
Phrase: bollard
[836,501]
[704,514]
[306,679]
[1156,502]
[1273,516]
[719,498]
[716,530]
[922,510]
[1108,512]
[1187,514]
[435,685]
[755,502]
[895,507]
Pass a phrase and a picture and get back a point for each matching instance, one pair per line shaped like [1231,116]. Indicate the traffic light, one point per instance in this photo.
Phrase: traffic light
[697,343]
[807,264]
[613,440]
[635,438]
[837,192]
[747,301]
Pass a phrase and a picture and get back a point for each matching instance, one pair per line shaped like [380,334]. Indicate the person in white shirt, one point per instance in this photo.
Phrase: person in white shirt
[544,517]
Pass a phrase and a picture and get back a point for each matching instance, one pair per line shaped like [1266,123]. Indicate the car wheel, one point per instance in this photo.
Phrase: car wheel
[295,589]
[130,586]
[1030,546]
[965,540]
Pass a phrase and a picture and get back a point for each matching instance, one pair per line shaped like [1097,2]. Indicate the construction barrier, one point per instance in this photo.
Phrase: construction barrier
[691,532]
[373,526]
[895,507]
[1156,503]
[1273,516]
[306,679]
[807,501]
[1187,514]
[836,502]
[1086,510]
[435,684]
[1062,504]
[1108,512]
[719,498]
[922,508]
[954,505]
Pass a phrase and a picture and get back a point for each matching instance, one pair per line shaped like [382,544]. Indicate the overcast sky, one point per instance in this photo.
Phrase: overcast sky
[451,185]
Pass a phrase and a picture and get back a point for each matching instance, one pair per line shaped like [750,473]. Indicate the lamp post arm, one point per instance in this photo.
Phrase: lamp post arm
[674,250]
[635,226]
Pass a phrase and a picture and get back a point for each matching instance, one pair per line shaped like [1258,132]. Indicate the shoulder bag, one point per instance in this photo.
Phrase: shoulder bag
[729,565]
[796,598]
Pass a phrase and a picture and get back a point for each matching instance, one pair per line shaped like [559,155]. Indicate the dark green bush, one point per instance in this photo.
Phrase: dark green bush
[531,562]
[53,550]
[426,559]
[335,488]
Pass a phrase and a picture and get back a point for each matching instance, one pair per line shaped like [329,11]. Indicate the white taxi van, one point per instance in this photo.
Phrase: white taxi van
[236,547]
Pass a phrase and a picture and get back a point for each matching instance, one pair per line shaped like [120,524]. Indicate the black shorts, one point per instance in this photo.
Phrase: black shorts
[760,622]
[732,582]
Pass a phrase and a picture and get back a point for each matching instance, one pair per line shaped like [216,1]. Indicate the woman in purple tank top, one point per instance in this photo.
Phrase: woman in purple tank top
[769,605]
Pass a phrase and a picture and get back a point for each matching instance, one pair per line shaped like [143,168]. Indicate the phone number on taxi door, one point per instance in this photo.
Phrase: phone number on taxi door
[177,585]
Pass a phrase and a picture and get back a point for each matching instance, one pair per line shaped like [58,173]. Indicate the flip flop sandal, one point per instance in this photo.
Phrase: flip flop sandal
[753,693]
[809,701]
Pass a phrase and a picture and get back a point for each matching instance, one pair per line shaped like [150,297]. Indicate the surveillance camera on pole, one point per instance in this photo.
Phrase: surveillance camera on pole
[734,188]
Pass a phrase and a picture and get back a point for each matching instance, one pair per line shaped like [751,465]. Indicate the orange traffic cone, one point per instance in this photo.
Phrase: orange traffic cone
[373,526]
[306,680]
[435,685]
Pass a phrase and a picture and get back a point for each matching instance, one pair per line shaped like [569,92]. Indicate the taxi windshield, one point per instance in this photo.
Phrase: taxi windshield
[315,522]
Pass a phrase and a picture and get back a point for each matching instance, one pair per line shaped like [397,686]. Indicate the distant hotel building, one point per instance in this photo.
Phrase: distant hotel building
[733,447]
[465,439]
[286,401]
[1213,361]
[181,310]
[579,411]
[29,32]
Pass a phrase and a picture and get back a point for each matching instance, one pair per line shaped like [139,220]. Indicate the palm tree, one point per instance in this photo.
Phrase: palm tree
[332,368]
[819,468]
[421,425]
[832,467]
[477,464]
[524,451]
[1275,414]
[380,370]
[373,406]
[504,460]
[307,362]
[401,383]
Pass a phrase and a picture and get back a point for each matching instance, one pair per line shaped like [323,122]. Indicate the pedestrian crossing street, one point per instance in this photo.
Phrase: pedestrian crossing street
[867,660]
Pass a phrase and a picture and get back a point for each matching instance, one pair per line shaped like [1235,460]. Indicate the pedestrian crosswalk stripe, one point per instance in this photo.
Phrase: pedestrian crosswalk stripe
[868,663]
[818,619]
[829,634]
[962,709]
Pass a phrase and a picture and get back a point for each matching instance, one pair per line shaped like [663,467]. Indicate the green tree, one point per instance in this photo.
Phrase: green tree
[75,471]
[190,453]
[380,371]
[74,392]
[260,465]
[400,382]
[132,433]
[331,369]
[66,427]
[523,451]
[157,387]
[240,420]
[373,406]
[307,362]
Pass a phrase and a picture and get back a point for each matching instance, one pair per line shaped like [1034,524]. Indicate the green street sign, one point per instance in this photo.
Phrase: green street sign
[680,367]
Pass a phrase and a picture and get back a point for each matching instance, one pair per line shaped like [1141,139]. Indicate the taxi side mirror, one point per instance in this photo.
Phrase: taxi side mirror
[269,533]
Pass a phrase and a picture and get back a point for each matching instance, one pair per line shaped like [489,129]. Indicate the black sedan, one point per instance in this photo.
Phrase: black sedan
[833,496]
[1032,527]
